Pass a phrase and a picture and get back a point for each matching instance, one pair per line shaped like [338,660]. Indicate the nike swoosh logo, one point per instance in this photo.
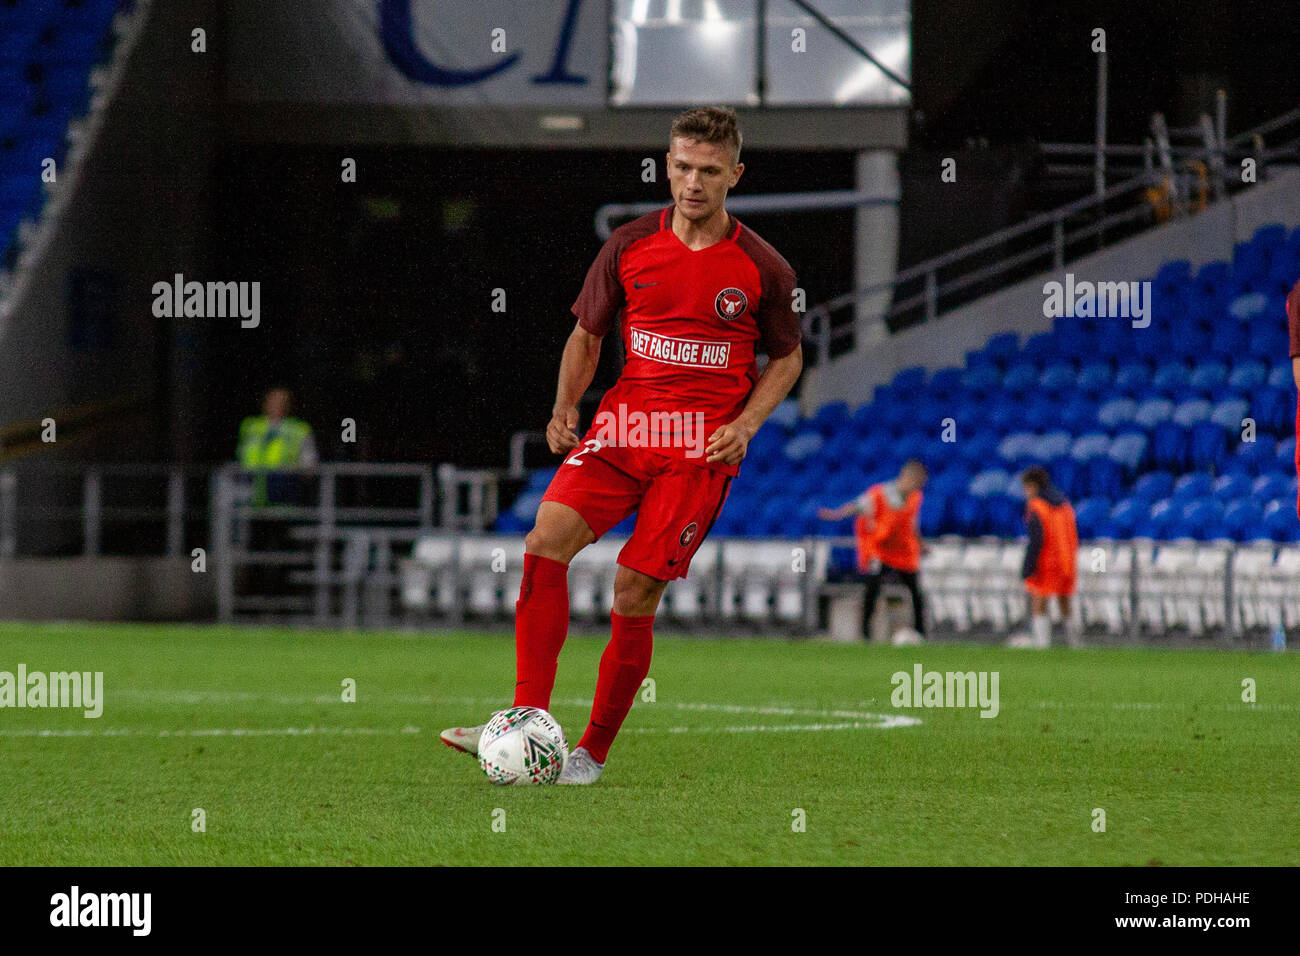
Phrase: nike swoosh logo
[642,285]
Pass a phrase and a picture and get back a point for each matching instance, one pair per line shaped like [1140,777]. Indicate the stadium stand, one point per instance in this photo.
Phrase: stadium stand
[48,52]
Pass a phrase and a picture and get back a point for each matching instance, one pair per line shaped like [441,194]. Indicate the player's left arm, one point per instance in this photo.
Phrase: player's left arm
[729,443]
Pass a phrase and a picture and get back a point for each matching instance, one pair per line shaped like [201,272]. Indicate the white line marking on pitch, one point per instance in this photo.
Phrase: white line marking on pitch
[216,732]
[843,720]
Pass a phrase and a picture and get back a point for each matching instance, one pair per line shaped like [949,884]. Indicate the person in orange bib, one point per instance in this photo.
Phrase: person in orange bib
[1050,568]
[889,545]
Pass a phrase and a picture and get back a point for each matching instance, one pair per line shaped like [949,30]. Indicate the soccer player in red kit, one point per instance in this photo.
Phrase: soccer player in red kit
[700,294]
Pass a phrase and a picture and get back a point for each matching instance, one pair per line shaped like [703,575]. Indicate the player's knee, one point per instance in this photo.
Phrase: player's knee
[637,596]
[537,541]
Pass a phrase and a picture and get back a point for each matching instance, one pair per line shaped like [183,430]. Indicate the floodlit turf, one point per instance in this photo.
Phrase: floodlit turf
[1160,740]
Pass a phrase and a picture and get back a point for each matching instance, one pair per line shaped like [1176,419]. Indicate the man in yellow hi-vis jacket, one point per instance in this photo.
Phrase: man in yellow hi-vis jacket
[272,448]
[273,443]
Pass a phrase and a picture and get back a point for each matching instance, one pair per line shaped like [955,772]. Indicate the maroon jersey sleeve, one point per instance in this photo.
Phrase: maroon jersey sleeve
[779,325]
[1293,318]
[602,296]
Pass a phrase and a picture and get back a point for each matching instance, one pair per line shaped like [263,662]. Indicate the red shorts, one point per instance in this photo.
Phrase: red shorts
[676,502]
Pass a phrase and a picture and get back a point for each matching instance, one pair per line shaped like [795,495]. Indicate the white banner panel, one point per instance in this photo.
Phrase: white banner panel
[482,53]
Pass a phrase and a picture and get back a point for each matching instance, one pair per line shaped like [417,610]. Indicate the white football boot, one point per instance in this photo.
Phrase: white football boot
[464,739]
[581,768]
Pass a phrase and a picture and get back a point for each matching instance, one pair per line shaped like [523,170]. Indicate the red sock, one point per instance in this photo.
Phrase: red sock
[541,623]
[623,667]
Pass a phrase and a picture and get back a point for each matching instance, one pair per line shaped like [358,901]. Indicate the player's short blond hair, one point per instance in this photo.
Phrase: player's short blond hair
[709,124]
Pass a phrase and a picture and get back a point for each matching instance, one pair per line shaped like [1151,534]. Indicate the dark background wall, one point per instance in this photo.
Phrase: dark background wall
[377,296]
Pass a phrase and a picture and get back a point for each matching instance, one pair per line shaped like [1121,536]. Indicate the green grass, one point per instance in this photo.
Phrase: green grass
[1186,772]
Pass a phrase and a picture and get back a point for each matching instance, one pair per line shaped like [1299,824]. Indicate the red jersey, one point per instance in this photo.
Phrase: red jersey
[693,322]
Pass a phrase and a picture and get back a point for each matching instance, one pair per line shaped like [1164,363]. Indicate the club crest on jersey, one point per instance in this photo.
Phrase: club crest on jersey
[688,535]
[730,304]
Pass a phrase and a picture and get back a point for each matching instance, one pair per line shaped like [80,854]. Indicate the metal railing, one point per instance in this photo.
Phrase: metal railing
[1048,241]
[314,551]
[54,499]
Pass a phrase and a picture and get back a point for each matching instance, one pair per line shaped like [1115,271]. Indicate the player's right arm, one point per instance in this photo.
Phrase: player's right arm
[577,369]
[860,505]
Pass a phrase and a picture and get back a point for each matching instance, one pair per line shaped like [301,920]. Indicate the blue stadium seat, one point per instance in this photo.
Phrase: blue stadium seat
[1133,379]
[1092,515]
[945,383]
[1003,347]
[1190,487]
[1273,408]
[1127,515]
[1052,445]
[1200,520]
[1173,274]
[1153,486]
[1229,488]
[1280,520]
[1152,412]
[803,446]
[1246,375]
[1192,411]
[1041,349]
[981,379]
[1129,451]
[991,481]
[934,516]
[830,418]
[1016,446]
[1230,413]
[1154,344]
[1117,412]
[1041,413]
[1171,379]
[1285,454]
[1021,377]
[1228,340]
[1095,378]
[909,381]
[1208,378]
[1158,521]
[1057,378]
[1269,486]
[1281,376]
[1258,455]
[1269,339]
[1243,520]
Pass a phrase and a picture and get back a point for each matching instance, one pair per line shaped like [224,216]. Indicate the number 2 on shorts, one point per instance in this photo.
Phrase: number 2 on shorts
[591,444]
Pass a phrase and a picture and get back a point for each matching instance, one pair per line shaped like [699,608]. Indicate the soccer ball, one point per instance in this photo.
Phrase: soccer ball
[523,745]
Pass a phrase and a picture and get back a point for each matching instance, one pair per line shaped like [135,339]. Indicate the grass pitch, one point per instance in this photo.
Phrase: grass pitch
[250,727]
